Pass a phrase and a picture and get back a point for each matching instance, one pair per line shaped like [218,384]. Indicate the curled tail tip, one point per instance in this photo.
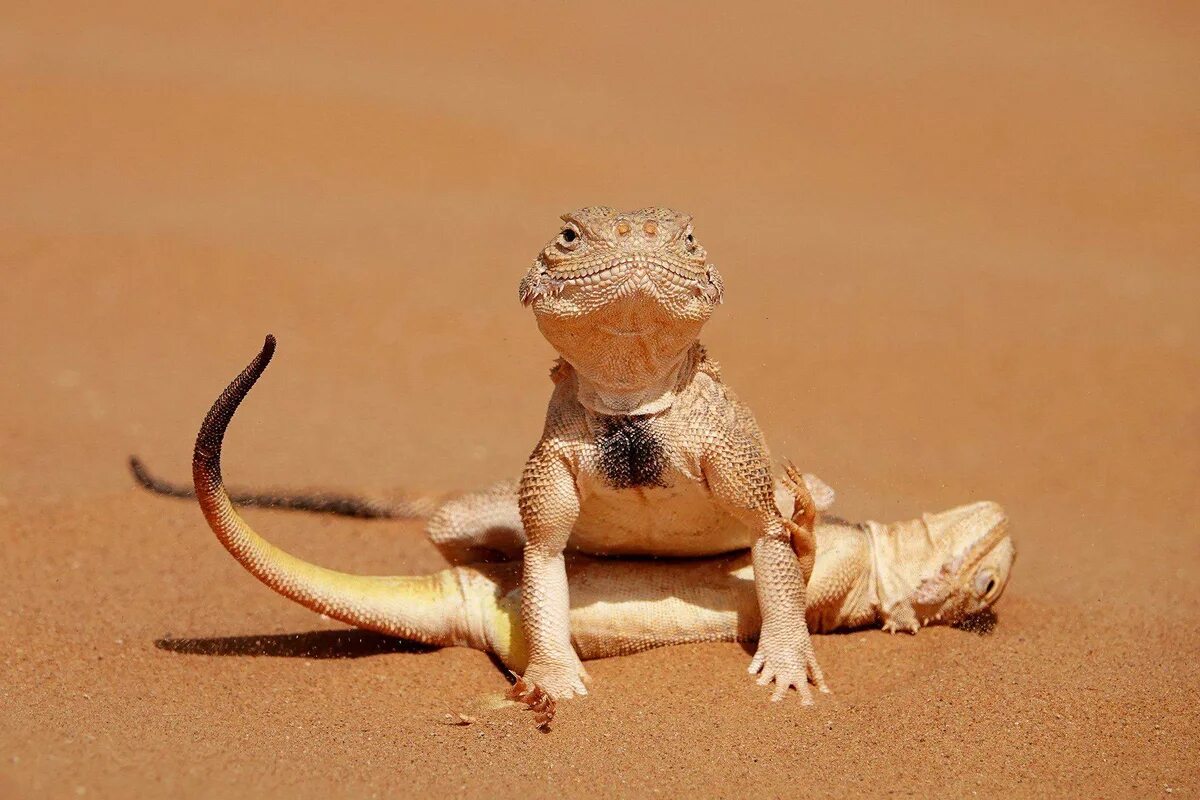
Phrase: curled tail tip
[255,370]
[265,354]
[207,455]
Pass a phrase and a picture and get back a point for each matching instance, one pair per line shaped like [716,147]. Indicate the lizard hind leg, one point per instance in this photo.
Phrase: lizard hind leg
[811,495]
[483,526]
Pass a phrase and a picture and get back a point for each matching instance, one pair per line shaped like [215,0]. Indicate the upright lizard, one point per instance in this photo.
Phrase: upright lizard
[645,451]
[941,568]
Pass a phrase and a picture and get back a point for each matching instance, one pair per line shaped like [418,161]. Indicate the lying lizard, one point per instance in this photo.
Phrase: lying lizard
[940,568]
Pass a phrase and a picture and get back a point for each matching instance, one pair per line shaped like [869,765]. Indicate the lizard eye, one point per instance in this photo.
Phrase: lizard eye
[985,584]
[690,239]
[569,238]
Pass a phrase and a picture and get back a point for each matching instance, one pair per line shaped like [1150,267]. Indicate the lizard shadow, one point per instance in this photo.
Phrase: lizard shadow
[982,623]
[318,644]
[356,643]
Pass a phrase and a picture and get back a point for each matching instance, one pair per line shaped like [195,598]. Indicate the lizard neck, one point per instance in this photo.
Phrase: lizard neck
[841,590]
[901,553]
[603,388]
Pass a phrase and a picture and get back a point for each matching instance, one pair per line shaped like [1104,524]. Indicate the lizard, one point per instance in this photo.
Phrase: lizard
[941,568]
[645,450]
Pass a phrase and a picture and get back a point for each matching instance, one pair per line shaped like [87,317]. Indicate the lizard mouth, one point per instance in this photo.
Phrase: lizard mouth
[619,269]
[659,278]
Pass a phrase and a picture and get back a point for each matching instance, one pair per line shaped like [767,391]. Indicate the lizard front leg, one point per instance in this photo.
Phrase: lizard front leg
[782,554]
[785,653]
[549,503]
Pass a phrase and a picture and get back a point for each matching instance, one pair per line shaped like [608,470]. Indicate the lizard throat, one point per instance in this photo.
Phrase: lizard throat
[597,392]
[891,587]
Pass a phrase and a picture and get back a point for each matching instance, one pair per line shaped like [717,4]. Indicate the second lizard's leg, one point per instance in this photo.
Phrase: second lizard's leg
[481,526]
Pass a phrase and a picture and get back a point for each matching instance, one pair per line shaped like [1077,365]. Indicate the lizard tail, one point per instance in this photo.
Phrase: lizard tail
[320,501]
[426,609]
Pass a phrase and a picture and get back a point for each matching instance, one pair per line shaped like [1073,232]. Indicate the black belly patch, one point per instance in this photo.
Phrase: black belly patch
[630,454]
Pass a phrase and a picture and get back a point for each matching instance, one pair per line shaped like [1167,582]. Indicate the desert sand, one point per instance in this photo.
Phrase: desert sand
[960,249]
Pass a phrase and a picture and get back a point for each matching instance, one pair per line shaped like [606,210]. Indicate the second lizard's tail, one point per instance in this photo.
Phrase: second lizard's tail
[426,609]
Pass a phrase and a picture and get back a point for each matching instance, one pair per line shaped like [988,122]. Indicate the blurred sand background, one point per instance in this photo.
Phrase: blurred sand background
[960,245]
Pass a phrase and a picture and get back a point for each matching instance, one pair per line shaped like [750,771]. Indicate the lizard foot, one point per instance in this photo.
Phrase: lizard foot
[788,665]
[895,626]
[542,686]
[901,617]
[561,679]
[535,698]
[806,486]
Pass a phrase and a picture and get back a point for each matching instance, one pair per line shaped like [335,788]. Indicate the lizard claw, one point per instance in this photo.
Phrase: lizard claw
[784,676]
[809,491]
[535,698]
[541,687]
[782,684]
[788,668]
[900,619]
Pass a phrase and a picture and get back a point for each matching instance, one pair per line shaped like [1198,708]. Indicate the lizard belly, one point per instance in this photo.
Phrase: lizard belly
[674,520]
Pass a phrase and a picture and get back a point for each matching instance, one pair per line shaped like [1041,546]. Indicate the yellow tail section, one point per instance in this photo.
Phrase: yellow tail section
[423,609]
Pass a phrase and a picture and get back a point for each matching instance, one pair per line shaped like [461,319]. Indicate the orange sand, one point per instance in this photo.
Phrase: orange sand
[960,249]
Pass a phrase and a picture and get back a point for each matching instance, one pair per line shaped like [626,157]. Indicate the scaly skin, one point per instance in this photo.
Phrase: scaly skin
[645,451]
[941,568]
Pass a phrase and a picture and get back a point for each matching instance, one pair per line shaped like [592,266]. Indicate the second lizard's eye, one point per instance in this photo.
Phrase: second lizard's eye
[569,235]
[985,584]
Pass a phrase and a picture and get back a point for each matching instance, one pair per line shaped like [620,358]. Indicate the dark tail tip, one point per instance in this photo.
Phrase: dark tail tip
[207,456]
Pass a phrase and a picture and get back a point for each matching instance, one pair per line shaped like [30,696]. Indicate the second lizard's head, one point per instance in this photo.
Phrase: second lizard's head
[977,555]
[622,295]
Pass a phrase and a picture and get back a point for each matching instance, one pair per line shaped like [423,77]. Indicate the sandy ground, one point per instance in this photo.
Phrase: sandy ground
[961,257]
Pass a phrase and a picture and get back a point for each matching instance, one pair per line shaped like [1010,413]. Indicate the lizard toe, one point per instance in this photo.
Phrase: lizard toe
[536,699]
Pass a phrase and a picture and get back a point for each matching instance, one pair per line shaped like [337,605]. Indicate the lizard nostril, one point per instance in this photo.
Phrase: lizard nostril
[650,228]
[622,228]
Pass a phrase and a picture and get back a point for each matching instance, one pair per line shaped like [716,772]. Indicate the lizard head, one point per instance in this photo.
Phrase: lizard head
[977,555]
[622,295]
